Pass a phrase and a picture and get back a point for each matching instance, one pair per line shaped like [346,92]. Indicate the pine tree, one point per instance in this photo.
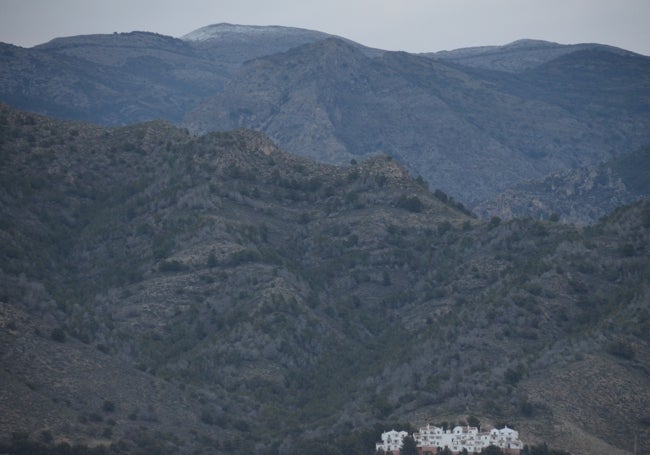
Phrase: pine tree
[409,447]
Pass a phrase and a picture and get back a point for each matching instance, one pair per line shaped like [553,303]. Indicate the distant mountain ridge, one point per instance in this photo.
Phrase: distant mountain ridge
[475,121]
[122,78]
[225,31]
[517,56]
[474,133]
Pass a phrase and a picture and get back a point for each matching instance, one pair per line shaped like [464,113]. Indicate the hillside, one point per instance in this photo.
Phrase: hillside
[122,78]
[475,121]
[110,79]
[213,294]
[473,132]
[581,196]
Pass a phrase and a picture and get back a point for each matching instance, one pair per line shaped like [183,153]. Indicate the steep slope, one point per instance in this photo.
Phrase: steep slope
[214,294]
[472,132]
[581,196]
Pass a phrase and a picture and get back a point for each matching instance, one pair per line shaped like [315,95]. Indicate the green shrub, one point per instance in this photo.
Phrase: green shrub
[212,260]
[172,266]
[410,203]
[621,349]
[494,222]
[512,377]
[244,256]
[627,250]
[108,406]
[58,335]
[645,217]
[441,195]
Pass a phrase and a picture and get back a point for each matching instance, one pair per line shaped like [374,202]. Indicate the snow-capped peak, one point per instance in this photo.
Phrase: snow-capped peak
[216,31]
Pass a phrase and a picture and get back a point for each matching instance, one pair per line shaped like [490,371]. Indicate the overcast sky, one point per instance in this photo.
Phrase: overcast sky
[410,25]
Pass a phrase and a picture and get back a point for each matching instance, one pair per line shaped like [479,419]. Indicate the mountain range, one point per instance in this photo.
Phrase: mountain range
[475,121]
[277,241]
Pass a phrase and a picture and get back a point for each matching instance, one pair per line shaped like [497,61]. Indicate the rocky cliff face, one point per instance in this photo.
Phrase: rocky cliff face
[581,196]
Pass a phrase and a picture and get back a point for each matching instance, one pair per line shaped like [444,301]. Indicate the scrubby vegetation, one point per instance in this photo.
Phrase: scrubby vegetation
[215,295]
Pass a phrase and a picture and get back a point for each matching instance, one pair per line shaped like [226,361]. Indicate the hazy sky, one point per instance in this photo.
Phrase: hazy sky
[410,25]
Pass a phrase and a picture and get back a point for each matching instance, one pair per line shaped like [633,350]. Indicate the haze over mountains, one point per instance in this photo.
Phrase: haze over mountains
[472,122]
[193,286]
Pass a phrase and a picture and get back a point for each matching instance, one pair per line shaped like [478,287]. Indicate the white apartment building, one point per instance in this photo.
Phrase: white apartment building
[391,441]
[432,438]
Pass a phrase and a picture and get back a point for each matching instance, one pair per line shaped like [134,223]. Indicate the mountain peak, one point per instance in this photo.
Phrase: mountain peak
[530,43]
[226,30]
[331,52]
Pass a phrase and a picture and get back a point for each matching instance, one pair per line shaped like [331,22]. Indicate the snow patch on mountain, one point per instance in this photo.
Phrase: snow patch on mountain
[223,30]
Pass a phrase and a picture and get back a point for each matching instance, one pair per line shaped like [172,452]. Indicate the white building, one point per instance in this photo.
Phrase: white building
[391,441]
[505,438]
[432,438]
